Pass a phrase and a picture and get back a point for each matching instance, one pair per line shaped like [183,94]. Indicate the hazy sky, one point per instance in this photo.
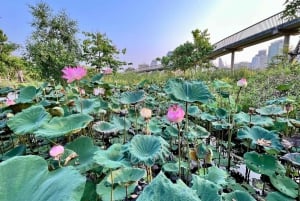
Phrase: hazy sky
[147,28]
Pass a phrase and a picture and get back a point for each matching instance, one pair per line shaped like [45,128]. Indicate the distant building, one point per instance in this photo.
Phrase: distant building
[221,63]
[143,66]
[275,49]
[242,64]
[259,60]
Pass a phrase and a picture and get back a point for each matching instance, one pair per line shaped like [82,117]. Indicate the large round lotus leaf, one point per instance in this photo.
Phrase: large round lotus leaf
[206,189]
[162,189]
[29,120]
[85,149]
[27,94]
[280,101]
[219,84]
[125,176]
[173,167]
[276,196]
[295,123]
[188,91]
[243,118]
[147,148]
[197,132]
[89,106]
[28,178]
[121,123]
[132,97]
[119,191]
[193,110]
[5,90]
[105,127]
[96,79]
[60,126]
[17,151]
[285,185]
[171,131]
[293,158]
[221,125]
[261,163]
[260,136]
[89,191]
[154,126]
[221,113]
[208,117]
[201,150]
[238,196]
[112,158]
[271,110]
[216,175]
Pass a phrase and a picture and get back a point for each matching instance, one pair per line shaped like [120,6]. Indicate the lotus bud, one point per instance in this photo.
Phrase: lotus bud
[193,155]
[146,113]
[175,114]
[289,107]
[251,110]
[56,152]
[57,111]
[242,83]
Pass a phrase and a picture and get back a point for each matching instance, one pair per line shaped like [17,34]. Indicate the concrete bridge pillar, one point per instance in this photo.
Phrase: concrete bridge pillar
[286,44]
[232,60]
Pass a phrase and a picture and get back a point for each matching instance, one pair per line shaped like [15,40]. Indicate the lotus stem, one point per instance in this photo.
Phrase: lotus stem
[112,186]
[124,130]
[179,151]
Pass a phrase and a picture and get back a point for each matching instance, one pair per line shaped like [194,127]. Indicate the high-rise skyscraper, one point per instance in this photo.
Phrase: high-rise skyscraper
[259,60]
[275,49]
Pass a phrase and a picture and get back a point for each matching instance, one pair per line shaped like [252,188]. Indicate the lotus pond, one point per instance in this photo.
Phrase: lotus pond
[90,140]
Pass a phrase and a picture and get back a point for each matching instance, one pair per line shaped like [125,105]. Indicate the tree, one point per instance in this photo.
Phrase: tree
[190,54]
[99,51]
[291,8]
[52,44]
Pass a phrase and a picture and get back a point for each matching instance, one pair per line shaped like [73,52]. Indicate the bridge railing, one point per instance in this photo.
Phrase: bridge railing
[266,24]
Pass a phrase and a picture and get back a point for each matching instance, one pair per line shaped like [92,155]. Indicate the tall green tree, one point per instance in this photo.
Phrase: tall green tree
[99,51]
[190,54]
[53,44]
[292,8]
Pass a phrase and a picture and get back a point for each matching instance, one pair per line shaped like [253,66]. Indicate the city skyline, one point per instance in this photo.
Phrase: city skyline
[146,29]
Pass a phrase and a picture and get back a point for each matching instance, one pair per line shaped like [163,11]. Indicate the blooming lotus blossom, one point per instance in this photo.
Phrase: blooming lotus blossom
[242,82]
[175,114]
[107,71]
[99,91]
[82,92]
[71,74]
[10,98]
[56,151]
[146,113]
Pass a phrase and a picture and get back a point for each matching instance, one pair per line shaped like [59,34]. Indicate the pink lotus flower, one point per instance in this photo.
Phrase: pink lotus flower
[71,74]
[146,113]
[242,82]
[56,151]
[107,71]
[9,102]
[175,114]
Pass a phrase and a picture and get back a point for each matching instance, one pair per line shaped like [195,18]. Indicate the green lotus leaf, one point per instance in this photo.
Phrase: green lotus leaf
[242,118]
[173,167]
[285,185]
[280,101]
[60,126]
[126,176]
[295,123]
[270,110]
[32,181]
[201,151]
[17,151]
[89,191]
[147,148]
[27,94]
[261,163]
[5,90]
[188,91]
[154,126]
[221,113]
[105,127]
[29,120]
[216,175]
[111,158]
[121,123]
[293,158]
[132,97]
[258,135]
[219,84]
[276,196]
[171,131]
[197,132]
[96,79]
[161,188]
[103,189]
[221,125]
[194,111]
[238,196]
[208,117]
[89,106]
[206,189]
[85,149]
